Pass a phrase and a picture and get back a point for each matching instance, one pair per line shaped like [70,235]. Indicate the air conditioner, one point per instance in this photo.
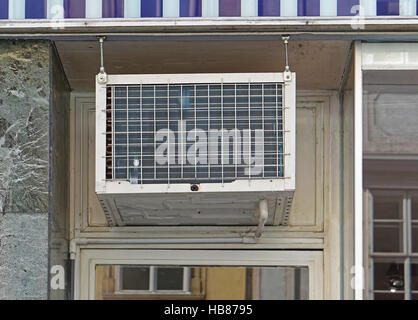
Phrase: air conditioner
[195,149]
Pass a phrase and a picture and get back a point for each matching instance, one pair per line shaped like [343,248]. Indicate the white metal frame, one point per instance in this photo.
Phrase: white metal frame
[153,283]
[271,185]
[90,258]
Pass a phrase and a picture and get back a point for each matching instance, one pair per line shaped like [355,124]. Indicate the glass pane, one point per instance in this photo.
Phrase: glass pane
[205,283]
[170,278]
[388,237]
[414,296]
[414,243]
[387,207]
[414,276]
[415,207]
[134,278]
[389,276]
[389,124]
[297,278]
[381,97]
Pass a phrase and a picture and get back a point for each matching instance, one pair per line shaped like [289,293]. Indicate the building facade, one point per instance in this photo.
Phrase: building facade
[332,213]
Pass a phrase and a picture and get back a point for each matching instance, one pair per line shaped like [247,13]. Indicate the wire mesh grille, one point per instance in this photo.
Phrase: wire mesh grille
[194,133]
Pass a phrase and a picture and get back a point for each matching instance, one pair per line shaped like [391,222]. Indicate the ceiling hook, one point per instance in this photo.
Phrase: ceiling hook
[102,76]
[287,72]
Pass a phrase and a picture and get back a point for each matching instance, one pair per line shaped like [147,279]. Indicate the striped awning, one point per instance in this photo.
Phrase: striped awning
[97,9]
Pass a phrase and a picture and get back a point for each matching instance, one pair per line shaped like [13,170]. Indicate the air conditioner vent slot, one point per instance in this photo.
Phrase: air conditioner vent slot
[194,133]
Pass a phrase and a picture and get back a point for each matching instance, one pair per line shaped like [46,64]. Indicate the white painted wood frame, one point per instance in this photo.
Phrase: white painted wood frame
[89,259]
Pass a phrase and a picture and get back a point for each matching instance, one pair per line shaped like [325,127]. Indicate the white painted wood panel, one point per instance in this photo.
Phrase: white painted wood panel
[308,206]
[95,212]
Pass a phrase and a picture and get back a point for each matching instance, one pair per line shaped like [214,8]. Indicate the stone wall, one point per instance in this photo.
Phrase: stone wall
[23,255]
[60,174]
[24,116]
[24,168]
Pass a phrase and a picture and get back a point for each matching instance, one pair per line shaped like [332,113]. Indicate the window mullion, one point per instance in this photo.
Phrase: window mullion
[408,232]
[153,279]
[369,261]
[406,220]
[186,279]
[407,278]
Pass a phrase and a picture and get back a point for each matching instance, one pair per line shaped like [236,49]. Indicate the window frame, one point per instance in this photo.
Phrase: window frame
[85,285]
[153,283]
[406,256]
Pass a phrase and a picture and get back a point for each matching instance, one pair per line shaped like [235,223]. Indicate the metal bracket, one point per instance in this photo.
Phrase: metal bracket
[102,76]
[287,72]
[263,210]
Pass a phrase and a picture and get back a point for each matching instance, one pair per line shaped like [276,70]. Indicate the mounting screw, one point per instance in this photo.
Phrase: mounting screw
[102,78]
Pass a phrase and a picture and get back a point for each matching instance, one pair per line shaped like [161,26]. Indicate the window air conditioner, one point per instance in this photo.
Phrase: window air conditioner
[195,149]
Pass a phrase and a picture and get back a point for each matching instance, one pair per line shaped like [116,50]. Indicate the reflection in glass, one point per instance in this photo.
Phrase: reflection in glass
[201,283]
[389,127]
[387,207]
[169,278]
[414,277]
[414,243]
[414,208]
[134,278]
[389,276]
[293,278]
[388,236]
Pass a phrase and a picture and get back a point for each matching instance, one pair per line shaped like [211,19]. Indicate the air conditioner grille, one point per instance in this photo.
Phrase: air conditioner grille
[194,133]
